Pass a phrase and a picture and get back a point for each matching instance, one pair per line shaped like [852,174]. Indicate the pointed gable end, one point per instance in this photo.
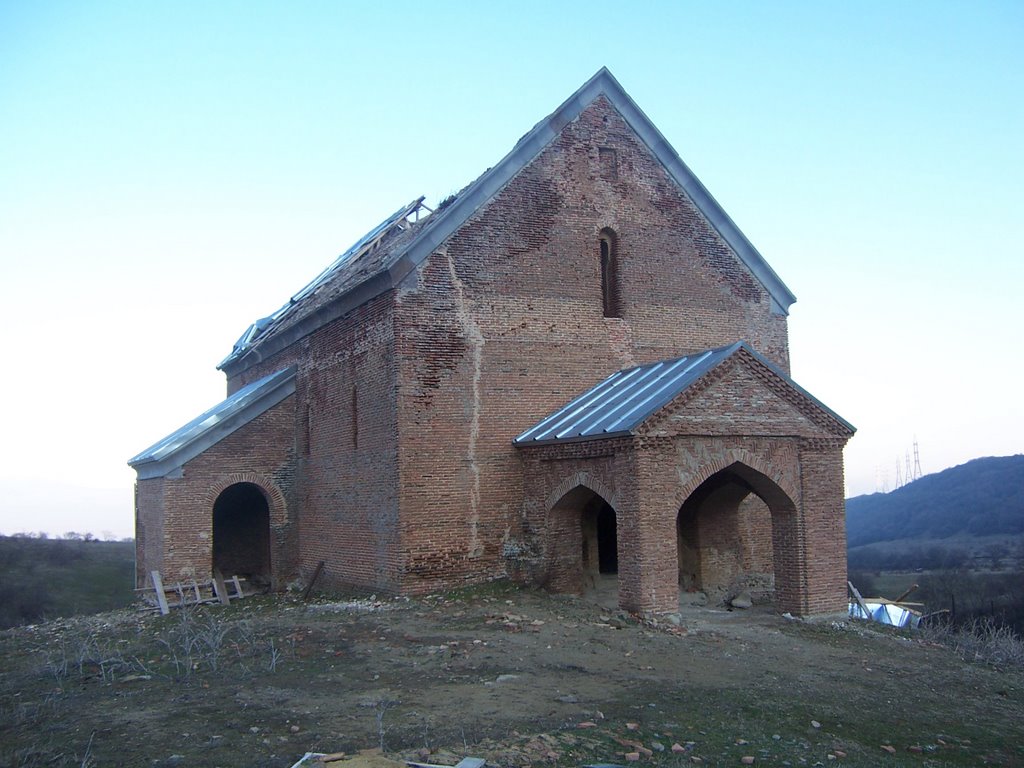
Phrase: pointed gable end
[355,279]
[726,391]
[444,223]
[745,394]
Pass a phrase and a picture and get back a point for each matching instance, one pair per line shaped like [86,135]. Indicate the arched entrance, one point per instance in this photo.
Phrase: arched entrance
[241,533]
[583,542]
[736,532]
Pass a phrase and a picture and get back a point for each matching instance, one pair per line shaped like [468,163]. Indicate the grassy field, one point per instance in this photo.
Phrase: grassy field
[891,584]
[45,578]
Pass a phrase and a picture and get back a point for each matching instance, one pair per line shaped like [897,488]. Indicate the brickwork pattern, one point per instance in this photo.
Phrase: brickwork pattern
[761,512]
[150,514]
[505,323]
[393,461]
[176,513]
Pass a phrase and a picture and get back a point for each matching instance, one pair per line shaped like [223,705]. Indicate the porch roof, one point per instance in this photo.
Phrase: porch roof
[212,426]
[621,403]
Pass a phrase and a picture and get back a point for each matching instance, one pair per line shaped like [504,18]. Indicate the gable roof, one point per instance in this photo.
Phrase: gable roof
[404,254]
[212,426]
[620,404]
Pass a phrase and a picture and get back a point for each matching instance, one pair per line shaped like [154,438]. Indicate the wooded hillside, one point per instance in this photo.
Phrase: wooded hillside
[980,498]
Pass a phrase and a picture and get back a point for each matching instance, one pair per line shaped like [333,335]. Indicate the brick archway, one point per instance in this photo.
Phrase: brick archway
[739,530]
[726,458]
[582,541]
[275,498]
[581,479]
[248,543]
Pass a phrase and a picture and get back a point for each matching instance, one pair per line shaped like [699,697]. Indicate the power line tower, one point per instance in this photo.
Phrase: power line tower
[917,460]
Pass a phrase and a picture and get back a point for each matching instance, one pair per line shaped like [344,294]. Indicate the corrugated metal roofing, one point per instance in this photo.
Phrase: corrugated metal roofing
[266,325]
[215,424]
[625,399]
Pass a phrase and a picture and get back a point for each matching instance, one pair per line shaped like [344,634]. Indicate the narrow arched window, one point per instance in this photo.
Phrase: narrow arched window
[609,274]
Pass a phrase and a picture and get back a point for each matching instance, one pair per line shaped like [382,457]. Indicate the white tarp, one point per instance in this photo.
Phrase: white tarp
[886,613]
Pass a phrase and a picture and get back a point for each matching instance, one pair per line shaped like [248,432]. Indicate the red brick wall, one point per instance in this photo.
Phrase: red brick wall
[149,528]
[175,514]
[784,539]
[546,548]
[824,511]
[411,401]
[755,533]
[346,437]
[506,323]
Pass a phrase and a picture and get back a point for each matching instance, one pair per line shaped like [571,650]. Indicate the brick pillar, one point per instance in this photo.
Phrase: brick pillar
[824,526]
[648,565]
[790,557]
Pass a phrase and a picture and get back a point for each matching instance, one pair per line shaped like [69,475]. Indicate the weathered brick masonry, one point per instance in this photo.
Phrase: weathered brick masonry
[174,520]
[437,340]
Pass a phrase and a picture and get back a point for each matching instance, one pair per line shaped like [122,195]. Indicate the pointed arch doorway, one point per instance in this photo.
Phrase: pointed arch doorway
[585,555]
[737,532]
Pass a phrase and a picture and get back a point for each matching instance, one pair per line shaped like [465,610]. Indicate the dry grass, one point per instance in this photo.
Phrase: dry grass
[981,640]
[505,674]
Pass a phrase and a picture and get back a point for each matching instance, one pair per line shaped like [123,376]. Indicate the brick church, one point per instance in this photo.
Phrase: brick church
[577,367]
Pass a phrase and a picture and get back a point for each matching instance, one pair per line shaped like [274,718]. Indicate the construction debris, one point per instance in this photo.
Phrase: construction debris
[162,597]
[893,613]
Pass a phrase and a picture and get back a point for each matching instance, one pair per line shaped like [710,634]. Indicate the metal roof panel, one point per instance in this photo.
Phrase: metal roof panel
[266,326]
[624,400]
[213,425]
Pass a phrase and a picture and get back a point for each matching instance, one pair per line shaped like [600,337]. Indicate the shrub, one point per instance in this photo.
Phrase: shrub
[980,640]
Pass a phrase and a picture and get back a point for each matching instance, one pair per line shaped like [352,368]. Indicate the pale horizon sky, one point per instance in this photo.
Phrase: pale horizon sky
[171,172]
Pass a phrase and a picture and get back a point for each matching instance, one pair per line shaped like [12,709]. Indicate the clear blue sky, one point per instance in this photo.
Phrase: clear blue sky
[171,171]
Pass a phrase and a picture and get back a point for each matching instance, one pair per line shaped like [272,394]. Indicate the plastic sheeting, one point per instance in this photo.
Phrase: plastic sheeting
[886,613]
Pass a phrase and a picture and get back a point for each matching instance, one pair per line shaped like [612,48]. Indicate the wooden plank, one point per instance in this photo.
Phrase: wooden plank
[906,594]
[860,601]
[238,587]
[220,589]
[312,581]
[161,598]
[466,762]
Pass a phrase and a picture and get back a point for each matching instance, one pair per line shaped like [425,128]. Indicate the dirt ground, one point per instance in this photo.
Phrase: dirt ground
[517,677]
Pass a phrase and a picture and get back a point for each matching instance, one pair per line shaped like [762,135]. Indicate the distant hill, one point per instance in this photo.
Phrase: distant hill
[983,497]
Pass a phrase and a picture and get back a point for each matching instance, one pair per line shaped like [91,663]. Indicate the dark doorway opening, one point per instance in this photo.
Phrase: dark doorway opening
[241,533]
[600,537]
[583,545]
[607,540]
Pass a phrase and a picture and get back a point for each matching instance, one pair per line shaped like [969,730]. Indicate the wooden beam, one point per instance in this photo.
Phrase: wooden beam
[161,598]
[860,601]
[219,588]
[312,581]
